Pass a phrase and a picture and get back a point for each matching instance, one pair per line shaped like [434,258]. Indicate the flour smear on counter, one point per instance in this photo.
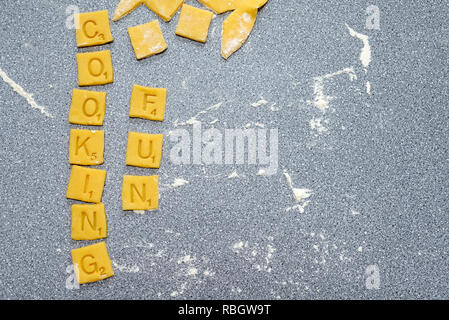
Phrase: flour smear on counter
[28,96]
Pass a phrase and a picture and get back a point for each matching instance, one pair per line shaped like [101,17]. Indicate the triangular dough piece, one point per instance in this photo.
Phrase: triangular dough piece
[125,7]
[221,6]
[236,29]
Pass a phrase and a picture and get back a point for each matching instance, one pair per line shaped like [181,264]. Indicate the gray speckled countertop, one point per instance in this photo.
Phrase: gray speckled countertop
[377,168]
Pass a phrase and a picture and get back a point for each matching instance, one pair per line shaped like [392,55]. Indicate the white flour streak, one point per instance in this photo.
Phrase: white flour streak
[321,101]
[368,87]
[233,175]
[29,97]
[236,290]
[259,103]
[126,269]
[299,194]
[365,54]
[177,234]
[179,183]
[194,119]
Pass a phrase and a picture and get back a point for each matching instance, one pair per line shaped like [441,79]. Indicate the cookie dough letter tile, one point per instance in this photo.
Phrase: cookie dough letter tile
[140,193]
[148,103]
[95,68]
[94,29]
[88,107]
[88,221]
[92,263]
[86,184]
[144,150]
[86,147]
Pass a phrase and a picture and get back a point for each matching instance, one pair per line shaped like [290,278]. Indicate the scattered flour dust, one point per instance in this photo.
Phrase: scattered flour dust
[321,101]
[318,125]
[180,291]
[260,256]
[300,195]
[28,97]
[186,259]
[239,245]
[193,271]
[246,17]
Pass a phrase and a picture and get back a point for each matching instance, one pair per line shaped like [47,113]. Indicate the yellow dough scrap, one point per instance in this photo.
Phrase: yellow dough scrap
[88,221]
[248,3]
[194,23]
[125,7]
[221,6]
[95,68]
[92,263]
[218,6]
[86,184]
[165,9]
[94,29]
[147,39]
[148,103]
[236,29]
[140,193]
[86,147]
[88,107]
[144,150]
